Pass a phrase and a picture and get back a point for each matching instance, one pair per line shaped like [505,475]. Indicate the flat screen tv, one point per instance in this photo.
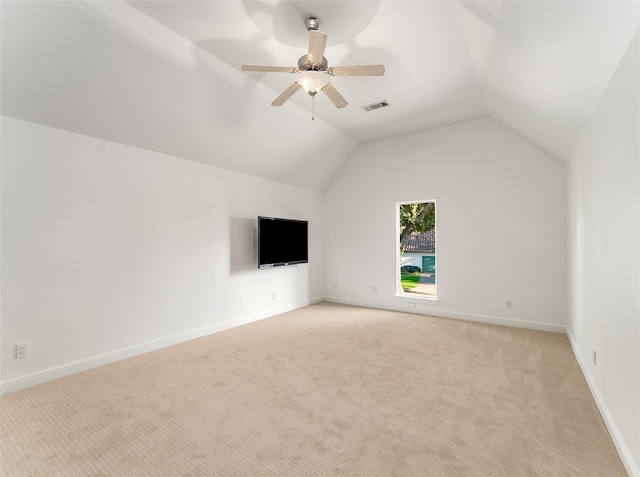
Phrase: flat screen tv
[282,242]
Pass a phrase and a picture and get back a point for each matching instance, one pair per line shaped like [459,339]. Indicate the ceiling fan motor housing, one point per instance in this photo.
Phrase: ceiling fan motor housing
[304,64]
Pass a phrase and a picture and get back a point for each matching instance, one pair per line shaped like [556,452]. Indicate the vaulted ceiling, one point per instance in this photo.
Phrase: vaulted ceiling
[165,75]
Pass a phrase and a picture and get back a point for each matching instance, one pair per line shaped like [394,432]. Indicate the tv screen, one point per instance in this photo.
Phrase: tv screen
[282,242]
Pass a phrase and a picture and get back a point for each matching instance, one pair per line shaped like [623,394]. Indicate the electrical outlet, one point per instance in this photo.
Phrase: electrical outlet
[273,296]
[335,285]
[22,350]
[508,304]
[374,288]
[594,357]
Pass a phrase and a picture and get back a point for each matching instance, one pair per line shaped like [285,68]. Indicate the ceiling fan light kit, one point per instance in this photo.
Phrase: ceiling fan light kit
[314,74]
[312,81]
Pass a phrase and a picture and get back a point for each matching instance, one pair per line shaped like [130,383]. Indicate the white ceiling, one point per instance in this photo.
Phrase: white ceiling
[165,75]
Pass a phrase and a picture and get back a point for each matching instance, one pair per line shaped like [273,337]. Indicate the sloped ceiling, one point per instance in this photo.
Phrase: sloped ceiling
[165,75]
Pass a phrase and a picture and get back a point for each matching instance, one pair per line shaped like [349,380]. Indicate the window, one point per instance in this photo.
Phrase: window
[416,249]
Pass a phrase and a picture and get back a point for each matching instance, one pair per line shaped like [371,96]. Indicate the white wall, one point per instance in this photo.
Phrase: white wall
[109,250]
[604,271]
[501,205]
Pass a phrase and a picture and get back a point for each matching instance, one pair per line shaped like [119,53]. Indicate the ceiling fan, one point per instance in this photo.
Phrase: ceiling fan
[314,73]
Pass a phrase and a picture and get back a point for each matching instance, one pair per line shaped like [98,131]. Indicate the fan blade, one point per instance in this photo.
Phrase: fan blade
[317,45]
[270,69]
[358,70]
[286,94]
[335,97]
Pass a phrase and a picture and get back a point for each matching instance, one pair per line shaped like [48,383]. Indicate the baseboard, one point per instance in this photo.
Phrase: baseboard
[431,310]
[68,369]
[623,450]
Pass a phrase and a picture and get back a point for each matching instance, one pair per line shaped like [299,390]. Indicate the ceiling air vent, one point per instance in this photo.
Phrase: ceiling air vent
[371,107]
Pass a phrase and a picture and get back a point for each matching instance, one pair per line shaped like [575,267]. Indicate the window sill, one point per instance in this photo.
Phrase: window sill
[417,300]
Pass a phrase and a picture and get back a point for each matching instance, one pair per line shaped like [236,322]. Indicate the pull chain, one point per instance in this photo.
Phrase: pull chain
[313,103]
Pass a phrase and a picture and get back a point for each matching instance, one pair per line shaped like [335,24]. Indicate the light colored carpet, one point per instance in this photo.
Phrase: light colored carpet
[323,390]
